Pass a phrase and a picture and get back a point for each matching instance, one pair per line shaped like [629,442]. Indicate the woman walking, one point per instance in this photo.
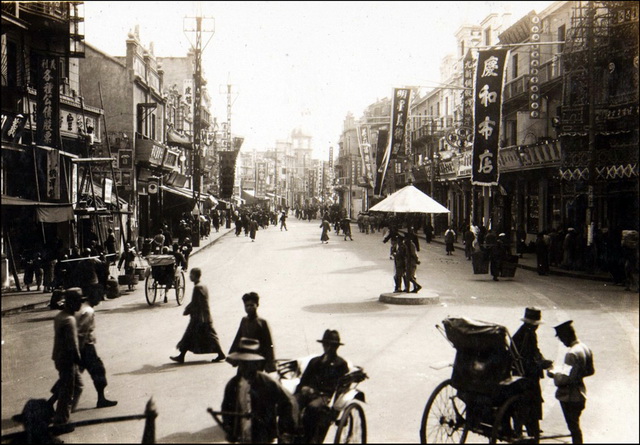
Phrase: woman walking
[326,228]
[200,337]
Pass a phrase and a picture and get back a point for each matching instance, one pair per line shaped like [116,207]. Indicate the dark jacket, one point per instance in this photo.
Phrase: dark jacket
[199,337]
[323,376]
[273,409]
[257,328]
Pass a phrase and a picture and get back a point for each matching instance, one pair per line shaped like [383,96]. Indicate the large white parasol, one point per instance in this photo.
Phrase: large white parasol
[409,199]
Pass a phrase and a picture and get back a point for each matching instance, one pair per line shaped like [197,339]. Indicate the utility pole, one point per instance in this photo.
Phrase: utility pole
[275,175]
[197,111]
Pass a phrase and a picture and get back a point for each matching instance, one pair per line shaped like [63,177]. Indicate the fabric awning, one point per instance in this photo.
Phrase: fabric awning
[185,193]
[49,212]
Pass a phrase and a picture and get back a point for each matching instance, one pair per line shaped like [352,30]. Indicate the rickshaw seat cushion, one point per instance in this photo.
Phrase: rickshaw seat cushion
[480,370]
[163,274]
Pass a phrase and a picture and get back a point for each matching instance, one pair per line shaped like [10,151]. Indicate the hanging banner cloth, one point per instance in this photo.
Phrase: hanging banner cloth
[490,71]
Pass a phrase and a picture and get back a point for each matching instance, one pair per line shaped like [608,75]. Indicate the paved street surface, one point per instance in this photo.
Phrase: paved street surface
[305,288]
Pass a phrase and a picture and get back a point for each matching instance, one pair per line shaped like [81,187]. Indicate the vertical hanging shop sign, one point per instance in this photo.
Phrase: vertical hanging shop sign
[48,103]
[487,116]
[399,113]
[364,142]
[53,178]
[467,93]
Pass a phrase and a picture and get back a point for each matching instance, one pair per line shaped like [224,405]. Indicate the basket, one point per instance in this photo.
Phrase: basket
[480,262]
[509,266]
[124,279]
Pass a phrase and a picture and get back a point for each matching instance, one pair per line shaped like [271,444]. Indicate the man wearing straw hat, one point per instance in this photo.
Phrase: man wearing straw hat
[269,406]
[533,364]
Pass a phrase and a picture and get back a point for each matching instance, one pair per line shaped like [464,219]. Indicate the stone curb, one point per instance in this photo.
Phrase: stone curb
[43,304]
[428,297]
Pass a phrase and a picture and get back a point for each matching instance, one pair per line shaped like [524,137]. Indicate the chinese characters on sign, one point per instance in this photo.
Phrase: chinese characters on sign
[53,181]
[399,115]
[364,142]
[487,116]
[48,92]
[399,118]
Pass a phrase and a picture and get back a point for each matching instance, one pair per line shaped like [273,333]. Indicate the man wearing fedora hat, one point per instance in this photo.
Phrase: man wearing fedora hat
[317,384]
[251,391]
[571,391]
[533,364]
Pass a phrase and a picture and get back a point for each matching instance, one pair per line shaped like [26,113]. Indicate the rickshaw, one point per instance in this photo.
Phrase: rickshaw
[163,275]
[485,394]
[346,403]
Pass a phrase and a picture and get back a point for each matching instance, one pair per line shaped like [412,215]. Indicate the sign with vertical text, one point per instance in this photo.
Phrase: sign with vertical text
[487,115]
[48,102]
[53,178]
[364,143]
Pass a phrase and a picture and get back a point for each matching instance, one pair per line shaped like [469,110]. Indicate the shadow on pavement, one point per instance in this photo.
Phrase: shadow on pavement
[359,269]
[346,308]
[215,434]
[133,307]
[167,367]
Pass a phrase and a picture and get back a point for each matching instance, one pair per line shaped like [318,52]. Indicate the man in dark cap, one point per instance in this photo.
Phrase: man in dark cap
[66,356]
[317,384]
[533,363]
[257,328]
[571,392]
[251,391]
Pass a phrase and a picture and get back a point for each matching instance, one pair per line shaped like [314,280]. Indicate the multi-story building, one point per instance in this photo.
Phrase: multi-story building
[598,119]
[53,190]
[138,108]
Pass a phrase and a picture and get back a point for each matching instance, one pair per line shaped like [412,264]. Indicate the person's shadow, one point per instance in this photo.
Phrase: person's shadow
[165,367]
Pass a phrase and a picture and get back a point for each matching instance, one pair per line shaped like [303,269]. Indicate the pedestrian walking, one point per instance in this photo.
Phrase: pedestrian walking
[66,357]
[399,255]
[326,228]
[252,326]
[200,337]
[253,228]
[33,267]
[86,324]
[271,410]
[128,258]
[412,265]
[110,246]
[283,221]
[469,238]
[449,239]
[411,234]
[521,241]
[497,254]
[542,254]
[346,228]
[428,231]
[91,276]
[571,391]
[533,365]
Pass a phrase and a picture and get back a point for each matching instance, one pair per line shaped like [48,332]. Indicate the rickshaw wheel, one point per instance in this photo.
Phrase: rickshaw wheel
[150,290]
[444,417]
[509,421]
[352,427]
[179,285]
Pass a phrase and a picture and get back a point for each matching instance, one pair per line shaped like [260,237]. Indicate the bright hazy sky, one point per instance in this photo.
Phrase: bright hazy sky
[295,64]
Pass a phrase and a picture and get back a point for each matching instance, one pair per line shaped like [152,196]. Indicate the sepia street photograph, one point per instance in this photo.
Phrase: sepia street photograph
[320,222]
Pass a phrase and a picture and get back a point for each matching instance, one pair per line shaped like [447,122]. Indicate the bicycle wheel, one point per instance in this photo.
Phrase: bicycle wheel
[179,285]
[352,427]
[150,290]
[511,417]
[444,417]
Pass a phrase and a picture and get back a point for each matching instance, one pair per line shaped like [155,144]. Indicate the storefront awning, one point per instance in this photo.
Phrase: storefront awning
[49,212]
